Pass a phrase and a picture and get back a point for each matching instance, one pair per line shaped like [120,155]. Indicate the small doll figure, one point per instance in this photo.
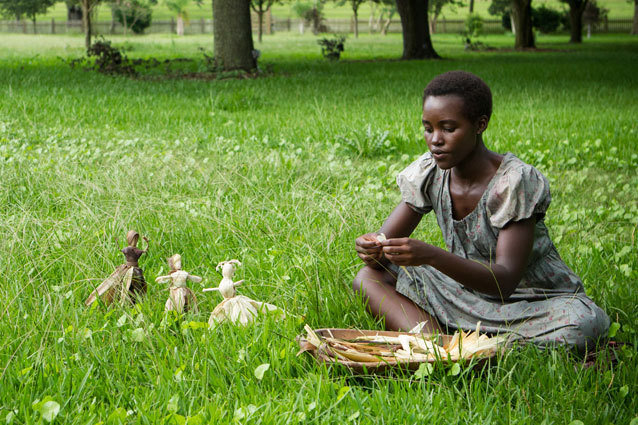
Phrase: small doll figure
[181,298]
[235,308]
[127,282]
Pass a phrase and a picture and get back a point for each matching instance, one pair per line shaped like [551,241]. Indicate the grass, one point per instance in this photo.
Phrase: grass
[283,172]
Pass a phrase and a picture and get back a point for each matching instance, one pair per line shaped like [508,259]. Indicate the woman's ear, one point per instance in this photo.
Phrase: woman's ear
[482,124]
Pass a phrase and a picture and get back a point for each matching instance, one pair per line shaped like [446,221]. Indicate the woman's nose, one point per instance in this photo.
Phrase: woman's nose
[436,138]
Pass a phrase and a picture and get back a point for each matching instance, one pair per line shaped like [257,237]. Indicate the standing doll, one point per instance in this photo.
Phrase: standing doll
[127,282]
[500,267]
[181,297]
[235,308]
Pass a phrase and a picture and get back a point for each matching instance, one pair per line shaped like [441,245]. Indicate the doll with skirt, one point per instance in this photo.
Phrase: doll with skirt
[126,284]
[236,308]
[181,298]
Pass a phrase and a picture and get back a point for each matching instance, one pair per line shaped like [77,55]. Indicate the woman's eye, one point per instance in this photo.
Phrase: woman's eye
[428,130]
[449,130]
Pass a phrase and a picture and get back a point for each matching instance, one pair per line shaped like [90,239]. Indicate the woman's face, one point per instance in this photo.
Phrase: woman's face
[450,135]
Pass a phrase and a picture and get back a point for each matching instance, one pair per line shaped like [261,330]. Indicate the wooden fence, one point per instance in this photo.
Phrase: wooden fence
[272,24]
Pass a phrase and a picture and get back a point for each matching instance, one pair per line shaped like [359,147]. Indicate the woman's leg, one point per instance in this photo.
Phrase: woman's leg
[377,287]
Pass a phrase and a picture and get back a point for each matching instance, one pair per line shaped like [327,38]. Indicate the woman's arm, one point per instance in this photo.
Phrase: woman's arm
[400,223]
[499,278]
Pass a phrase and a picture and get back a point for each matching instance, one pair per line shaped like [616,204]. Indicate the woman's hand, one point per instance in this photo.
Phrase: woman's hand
[407,251]
[369,249]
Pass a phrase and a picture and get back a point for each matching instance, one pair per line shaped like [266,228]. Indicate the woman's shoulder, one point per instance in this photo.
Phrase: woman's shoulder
[415,180]
[519,191]
[513,167]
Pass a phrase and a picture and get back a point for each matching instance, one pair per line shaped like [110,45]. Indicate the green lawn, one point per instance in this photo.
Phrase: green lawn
[617,9]
[283,172]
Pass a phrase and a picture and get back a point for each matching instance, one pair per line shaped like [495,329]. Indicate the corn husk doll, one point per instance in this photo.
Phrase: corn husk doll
[181,297]
[126,284]
[236,308]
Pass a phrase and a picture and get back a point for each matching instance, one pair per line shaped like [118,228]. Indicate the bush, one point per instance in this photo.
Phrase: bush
[134,15]
[546,20]
[473,28]
[331,48]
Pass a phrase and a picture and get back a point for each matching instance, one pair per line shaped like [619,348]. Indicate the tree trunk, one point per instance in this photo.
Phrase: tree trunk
[260,31]
[386,25]
[86,22]
[180,24]
[522,12]
[112,27]
[576,9]
[233,38]
[35,29]
[634,27]
[471,6]
[417,43]
[512,24]
[356,23]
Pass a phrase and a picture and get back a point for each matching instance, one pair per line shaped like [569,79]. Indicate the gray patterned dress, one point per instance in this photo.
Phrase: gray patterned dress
[549,305]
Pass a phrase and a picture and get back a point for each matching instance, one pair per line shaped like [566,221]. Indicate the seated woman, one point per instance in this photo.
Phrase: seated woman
[501,267]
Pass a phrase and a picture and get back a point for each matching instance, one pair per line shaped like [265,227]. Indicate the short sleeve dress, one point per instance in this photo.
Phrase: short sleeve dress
[549,305]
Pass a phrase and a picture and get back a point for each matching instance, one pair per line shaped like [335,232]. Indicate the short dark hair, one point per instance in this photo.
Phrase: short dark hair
[476,95]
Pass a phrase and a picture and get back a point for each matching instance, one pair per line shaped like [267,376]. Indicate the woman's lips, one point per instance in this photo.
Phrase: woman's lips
[439,154]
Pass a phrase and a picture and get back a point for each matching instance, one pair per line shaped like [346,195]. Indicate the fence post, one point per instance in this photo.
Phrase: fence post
[172,25]
[202,25]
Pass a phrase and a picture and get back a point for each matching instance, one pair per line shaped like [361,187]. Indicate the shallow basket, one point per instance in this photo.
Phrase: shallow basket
[380,367]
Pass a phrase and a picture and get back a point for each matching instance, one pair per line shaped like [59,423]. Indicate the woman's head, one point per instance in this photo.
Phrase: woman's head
[456,110]
[131,237]
[476,95]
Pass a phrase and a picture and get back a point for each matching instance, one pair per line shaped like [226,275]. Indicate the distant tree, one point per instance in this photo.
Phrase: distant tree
[261,7]
[233,38]
[522,14]
[576,9]
[634,27]
[179,7]
[546,20]
[503,8]
[311,13]
[134,15]
[436,6]
[593,15]
[417,43]
[354,4]
[28,8]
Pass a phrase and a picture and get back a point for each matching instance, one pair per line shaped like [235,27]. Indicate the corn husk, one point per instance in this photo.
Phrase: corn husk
[115,287]
[241,310]
[403,348]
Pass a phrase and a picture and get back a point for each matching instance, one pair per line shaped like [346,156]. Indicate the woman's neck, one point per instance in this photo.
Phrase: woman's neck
[478,166]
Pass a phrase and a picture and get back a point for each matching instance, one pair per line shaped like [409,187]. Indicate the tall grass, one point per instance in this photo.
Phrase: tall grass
[283,172]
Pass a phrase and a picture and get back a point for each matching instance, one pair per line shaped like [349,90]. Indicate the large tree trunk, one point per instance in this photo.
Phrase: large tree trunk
[576,9]
[86,22]
[634,27]
[233,35]
[522,12]
[417,43]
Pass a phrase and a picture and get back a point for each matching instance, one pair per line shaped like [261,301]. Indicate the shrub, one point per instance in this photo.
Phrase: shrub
[331,48]
[546,20]
[473,28]
[134,15]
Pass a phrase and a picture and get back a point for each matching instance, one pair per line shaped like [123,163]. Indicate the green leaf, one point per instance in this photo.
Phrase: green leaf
[50,410]
[117,417]
[178,419]
[172,404]
[634,421]
[624,390]
[613,328]
[260,370]
[576,422]
[121,321]
[342,392]
[454,370]
[138,334]
[195,420]
[10,417]
[425,369]
[354,416]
